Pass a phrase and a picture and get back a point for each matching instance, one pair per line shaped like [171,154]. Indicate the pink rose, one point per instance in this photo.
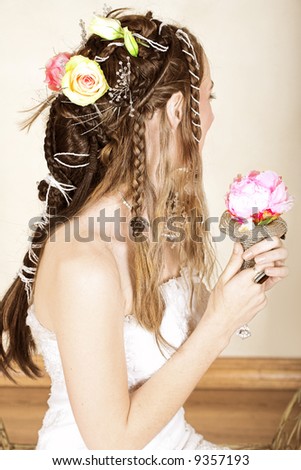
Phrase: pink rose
[258,196]
[55,70]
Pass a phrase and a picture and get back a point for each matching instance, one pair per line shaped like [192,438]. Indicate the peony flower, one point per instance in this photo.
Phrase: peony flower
[84,81]
[55,70]
[280,201]
[259,198]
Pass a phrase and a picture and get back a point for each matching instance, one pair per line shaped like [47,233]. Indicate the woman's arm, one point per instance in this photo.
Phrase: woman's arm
[199,302]
[88,319]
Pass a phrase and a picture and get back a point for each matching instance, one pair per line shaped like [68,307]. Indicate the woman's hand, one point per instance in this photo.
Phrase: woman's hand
[271,262]
[236,298]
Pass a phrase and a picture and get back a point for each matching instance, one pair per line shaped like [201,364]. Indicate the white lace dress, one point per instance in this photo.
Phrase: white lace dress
[143,357]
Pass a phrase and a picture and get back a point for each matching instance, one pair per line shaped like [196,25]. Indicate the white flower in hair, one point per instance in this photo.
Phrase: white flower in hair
[110,29]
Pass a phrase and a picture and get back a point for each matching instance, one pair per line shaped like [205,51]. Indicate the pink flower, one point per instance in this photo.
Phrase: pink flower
[55,70]
[258,196]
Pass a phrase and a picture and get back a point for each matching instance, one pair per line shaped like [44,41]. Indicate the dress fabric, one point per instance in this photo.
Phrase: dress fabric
[143,358]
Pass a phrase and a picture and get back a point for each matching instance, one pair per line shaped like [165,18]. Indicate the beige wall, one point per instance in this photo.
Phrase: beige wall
[254,51]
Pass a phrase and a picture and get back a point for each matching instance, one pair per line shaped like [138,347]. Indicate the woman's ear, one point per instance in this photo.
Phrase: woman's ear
[174,109]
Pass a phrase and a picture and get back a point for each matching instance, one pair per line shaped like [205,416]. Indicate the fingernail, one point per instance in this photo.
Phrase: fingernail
[248,255]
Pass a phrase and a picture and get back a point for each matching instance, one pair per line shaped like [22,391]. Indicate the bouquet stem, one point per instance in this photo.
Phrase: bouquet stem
[248,238]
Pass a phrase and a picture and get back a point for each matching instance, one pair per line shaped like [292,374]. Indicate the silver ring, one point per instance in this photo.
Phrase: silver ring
[259,275]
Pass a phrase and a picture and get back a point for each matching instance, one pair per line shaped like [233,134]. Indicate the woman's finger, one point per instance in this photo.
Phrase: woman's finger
[263,246]
[279,263]
[277,271]
[273,255]
[271,282]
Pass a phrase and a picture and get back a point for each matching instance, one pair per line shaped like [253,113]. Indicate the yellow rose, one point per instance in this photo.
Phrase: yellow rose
[84,81]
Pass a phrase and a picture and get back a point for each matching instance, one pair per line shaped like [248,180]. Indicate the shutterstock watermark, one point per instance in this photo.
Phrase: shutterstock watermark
[86,230]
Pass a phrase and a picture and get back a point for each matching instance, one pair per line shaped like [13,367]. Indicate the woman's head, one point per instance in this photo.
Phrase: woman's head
[170,64]
[148,121]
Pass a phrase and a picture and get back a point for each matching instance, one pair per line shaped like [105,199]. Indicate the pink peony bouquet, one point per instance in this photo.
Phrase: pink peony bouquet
[254,205]
[258,198]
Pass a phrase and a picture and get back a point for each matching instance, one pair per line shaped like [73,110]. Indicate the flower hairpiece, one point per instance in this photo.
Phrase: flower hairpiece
[81,79]
[110,29]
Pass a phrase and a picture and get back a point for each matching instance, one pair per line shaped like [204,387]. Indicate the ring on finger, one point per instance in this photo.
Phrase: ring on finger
[260,276]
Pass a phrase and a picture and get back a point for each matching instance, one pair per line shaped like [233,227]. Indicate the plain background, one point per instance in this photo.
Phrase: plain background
[253,48]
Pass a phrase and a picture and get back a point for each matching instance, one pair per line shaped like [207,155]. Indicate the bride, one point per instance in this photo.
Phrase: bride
[115,291]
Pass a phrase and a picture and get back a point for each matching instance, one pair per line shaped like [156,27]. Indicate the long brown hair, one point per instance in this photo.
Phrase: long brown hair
[114,143]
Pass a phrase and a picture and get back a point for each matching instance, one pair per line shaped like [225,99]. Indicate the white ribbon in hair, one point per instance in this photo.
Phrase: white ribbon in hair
[154,44]
[186,39]
[55,156]
[62,187]
[27,280]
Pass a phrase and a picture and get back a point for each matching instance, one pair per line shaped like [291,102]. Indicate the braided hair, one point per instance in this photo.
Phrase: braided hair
[91,150]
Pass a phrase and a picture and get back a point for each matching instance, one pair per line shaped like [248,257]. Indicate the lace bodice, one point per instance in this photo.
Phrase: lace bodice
[143,358]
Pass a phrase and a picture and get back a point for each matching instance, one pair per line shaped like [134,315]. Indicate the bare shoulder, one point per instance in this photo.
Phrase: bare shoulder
[77,277]
[88,269]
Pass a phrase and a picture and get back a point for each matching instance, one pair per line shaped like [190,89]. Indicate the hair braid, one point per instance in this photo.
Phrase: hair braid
[138,223]
[139,165]
[193,69]
[55,196]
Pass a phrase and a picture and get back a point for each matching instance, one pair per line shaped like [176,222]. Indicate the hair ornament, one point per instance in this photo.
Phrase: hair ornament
[28,281]
[150,42]
[194,75]
[106,10]
[83,31]
[31,254]
[80,165]
[81,79]
[138,225]
[160,27]
[111,29]
[185,38]
[121,91]
[72,154]
[62,187]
